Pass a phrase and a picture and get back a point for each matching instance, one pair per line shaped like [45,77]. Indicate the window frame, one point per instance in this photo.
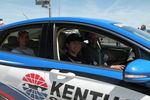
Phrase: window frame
[27,26]
[125,40]
[48,39]
[112,34]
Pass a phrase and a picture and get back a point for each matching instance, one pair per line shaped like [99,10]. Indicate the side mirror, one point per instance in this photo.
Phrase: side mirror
[138,71]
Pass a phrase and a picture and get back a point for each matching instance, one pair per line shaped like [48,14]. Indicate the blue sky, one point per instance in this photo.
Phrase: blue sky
[132,12]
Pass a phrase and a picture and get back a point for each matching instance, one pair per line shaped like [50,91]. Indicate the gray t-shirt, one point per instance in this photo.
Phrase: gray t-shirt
[26,51]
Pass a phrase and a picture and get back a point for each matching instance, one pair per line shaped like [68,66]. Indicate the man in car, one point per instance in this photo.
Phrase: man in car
[23,39]
[93,55]
[73,44]
[143,28]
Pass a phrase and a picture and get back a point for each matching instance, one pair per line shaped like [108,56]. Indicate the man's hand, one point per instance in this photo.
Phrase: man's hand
[118,67]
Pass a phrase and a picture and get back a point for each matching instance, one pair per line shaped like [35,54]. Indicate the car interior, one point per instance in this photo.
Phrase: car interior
[114,51]
[11,41]
[11,44]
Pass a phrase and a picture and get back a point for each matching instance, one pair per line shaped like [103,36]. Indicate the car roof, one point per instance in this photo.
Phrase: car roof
[63,19]
[107,24]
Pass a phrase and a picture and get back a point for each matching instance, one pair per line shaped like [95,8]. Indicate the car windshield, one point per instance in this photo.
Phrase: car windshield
[140,33]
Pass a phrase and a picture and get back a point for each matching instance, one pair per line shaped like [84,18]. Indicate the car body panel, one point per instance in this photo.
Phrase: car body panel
[18,60]
[59,87]
[38,78]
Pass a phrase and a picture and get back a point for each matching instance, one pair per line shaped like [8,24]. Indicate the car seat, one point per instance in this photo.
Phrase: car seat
[12,43]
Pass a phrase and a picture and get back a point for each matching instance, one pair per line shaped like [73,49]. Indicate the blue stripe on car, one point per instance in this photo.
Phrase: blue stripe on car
[18,60]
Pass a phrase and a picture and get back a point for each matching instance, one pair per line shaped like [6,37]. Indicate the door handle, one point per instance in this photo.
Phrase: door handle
[61,75]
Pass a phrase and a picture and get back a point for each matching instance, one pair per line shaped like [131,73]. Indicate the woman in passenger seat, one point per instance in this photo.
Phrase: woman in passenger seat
[23,39]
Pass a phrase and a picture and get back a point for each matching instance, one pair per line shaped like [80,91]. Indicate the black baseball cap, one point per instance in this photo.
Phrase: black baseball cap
[74,37]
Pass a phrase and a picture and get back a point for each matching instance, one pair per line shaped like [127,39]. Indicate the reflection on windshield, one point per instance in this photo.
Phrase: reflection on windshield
[140,33]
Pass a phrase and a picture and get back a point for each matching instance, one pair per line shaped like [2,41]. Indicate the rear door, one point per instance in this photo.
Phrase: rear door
[20,77]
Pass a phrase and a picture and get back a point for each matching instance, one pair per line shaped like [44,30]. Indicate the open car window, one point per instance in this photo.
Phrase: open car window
[11,41]
[109,50]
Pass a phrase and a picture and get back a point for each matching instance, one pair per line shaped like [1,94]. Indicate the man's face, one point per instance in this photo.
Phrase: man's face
[23,40]
[143,27]
[74,47]
[93,37]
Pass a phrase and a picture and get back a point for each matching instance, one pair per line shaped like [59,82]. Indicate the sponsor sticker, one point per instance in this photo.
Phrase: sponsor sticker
[34,86]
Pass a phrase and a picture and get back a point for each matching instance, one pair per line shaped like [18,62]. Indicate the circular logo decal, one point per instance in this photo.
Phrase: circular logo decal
[35,86]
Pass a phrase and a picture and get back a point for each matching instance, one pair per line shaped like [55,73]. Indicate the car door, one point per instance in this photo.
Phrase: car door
[73,81]
[96,85]
[20,78]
